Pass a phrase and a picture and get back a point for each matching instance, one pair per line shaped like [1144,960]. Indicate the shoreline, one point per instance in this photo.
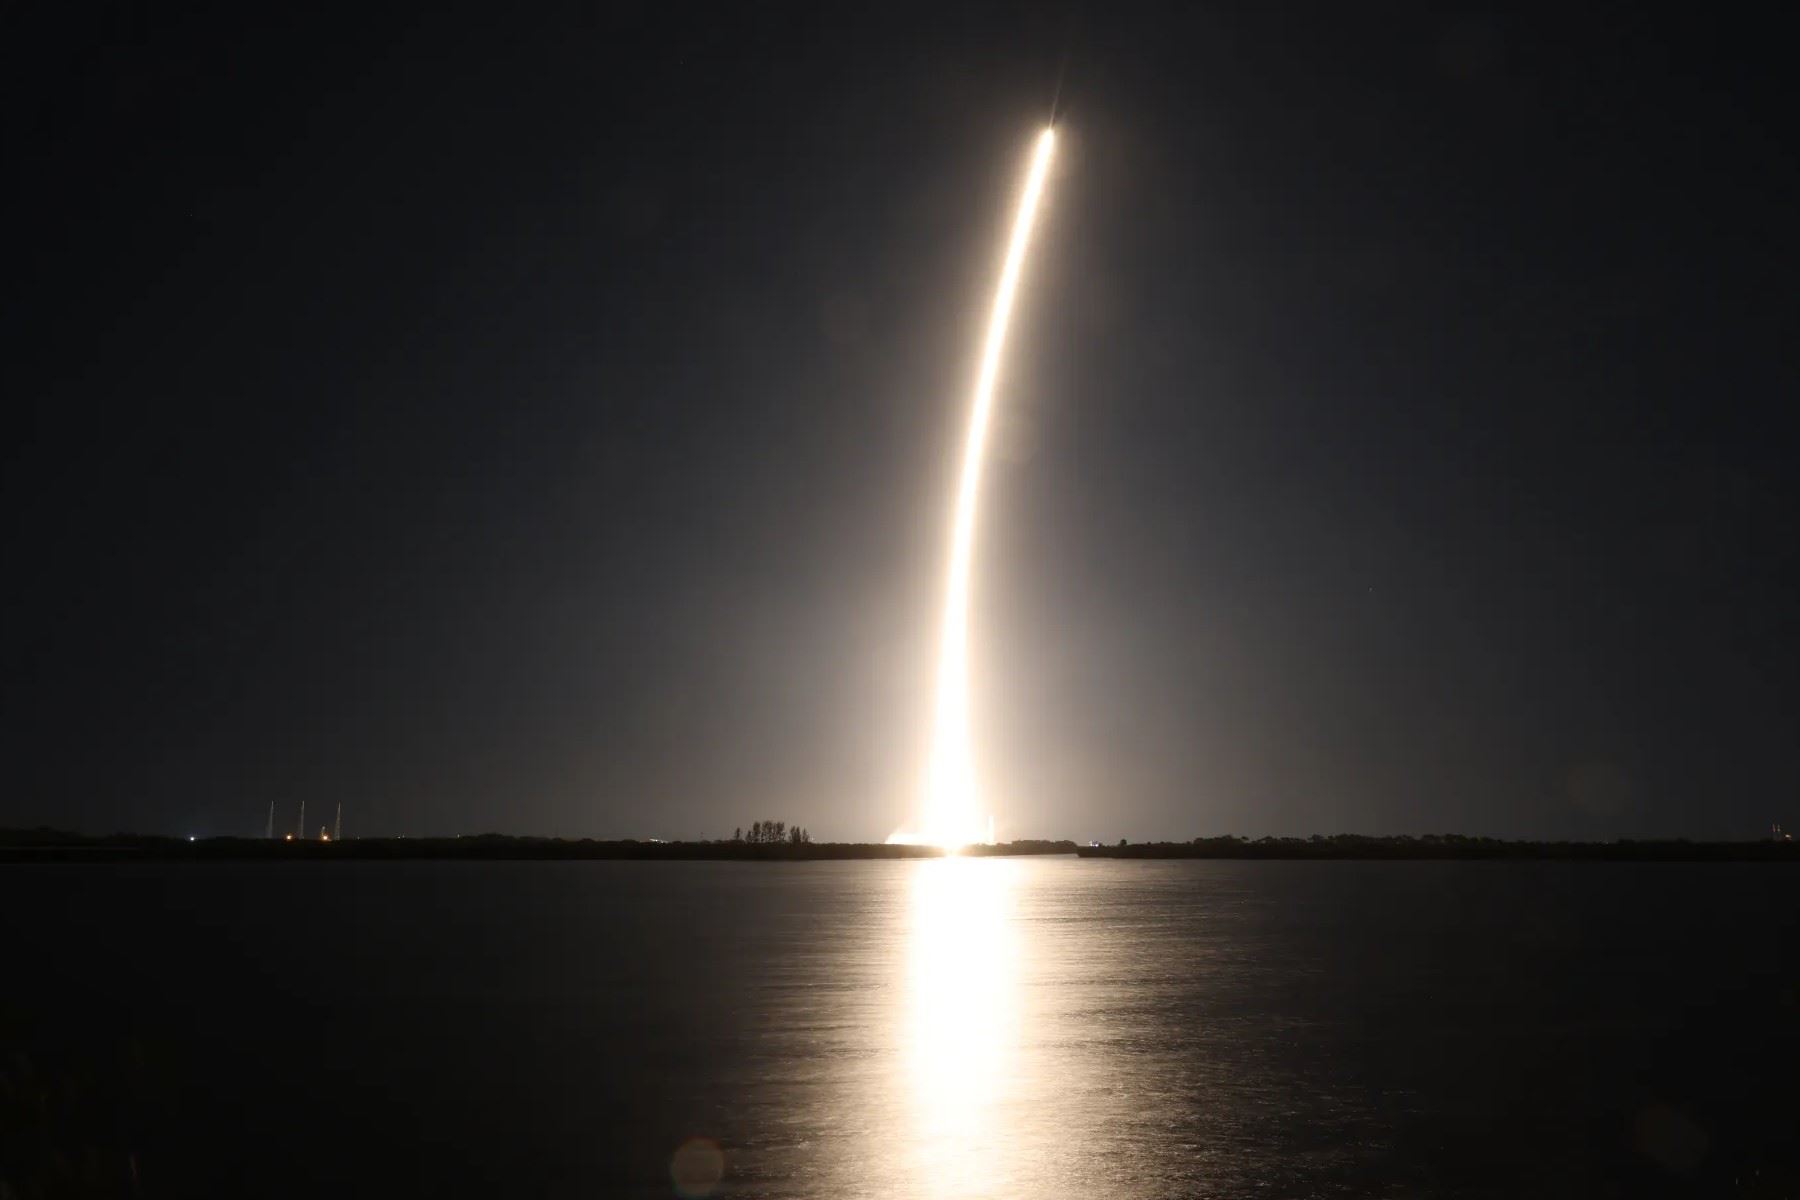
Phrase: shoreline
[1451,848]
[53,846]
[44,845]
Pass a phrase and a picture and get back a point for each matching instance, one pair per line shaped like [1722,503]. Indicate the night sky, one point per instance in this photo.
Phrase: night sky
[543,420]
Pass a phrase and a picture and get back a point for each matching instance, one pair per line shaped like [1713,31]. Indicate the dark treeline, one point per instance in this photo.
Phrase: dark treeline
[48,845]
[1451,846]
[764,832]
[1022,846]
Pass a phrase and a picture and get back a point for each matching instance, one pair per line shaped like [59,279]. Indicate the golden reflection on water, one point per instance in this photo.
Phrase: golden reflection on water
[963,1024]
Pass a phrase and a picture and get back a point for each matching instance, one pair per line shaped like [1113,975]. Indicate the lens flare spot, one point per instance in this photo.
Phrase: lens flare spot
[696,1168]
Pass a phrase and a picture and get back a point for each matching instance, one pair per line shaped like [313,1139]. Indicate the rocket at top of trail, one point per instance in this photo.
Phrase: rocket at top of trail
[951,809]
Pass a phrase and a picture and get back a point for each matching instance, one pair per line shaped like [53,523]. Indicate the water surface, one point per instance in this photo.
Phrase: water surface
[987,1027]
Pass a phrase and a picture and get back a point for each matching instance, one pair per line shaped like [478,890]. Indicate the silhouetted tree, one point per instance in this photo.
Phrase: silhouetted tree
[764,833]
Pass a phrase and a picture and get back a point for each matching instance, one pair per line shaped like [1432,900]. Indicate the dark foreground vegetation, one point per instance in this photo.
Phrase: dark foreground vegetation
[49,845]
[1452,846]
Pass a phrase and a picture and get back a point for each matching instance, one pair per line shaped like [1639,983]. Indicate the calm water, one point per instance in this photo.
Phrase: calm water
[1045,1027]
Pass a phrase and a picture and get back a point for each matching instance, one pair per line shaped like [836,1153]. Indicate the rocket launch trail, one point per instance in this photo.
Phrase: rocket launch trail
[952,809]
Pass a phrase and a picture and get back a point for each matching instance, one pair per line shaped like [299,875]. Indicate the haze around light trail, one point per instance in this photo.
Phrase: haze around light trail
[951,809]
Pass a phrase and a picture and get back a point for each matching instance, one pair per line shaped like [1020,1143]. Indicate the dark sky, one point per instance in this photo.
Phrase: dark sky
[542,420]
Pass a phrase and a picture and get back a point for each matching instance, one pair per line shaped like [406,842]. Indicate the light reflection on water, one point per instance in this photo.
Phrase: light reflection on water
[1000,1027]
[963,1024]
[953,1028]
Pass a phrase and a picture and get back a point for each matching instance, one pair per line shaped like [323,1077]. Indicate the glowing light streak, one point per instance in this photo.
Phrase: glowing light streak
[951,808]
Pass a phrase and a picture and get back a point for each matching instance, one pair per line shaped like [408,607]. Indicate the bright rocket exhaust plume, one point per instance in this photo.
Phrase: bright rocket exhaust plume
[951,809]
